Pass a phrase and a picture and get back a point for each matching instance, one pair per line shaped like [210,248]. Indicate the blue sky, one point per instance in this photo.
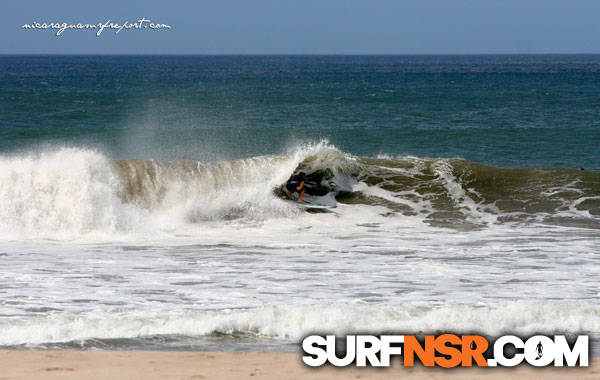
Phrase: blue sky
[309,27]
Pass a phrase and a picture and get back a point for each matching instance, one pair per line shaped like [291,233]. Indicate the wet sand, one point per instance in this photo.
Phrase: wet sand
[150,365]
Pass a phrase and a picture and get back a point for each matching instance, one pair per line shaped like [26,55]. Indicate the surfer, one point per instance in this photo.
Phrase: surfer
[539,349]
[295,184]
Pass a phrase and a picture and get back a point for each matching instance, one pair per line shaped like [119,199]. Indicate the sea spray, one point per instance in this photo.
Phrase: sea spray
[58,192]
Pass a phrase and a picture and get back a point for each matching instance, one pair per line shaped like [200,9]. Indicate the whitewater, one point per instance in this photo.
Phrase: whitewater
[98,253]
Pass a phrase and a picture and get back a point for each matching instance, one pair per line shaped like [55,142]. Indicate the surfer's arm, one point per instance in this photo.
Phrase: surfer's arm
[301,186]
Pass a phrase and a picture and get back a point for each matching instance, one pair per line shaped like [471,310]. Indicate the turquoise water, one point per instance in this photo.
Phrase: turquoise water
[499,110]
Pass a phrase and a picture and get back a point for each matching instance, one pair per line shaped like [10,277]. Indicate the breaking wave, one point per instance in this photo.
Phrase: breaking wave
[73,191]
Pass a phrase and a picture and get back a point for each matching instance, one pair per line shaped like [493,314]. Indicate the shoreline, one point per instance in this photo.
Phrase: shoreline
[73,364]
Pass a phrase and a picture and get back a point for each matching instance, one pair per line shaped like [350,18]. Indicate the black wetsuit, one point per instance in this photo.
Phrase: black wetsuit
[293,183]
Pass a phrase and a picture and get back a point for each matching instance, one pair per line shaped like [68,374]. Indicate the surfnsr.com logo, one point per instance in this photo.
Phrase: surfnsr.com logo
[447,351]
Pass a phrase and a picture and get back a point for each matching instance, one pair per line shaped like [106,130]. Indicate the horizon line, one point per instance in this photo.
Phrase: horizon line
[299,54]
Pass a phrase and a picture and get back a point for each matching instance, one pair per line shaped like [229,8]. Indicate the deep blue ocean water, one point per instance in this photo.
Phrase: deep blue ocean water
[502,110]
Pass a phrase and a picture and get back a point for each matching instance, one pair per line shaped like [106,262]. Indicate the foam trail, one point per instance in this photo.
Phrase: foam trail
[470,208]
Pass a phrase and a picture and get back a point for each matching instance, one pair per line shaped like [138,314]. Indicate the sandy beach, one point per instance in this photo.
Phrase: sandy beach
[68,364]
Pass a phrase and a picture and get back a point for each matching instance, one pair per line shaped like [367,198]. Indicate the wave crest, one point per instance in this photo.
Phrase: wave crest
[79,191]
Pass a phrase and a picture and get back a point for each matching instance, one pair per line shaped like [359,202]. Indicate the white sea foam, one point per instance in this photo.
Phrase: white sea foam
[295,321]
[60,192]
[474,211]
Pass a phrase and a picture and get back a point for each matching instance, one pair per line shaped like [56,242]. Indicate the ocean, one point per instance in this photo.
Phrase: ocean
[139,205]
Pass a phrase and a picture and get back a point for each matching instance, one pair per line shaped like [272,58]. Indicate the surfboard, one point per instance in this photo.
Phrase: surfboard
[313,206]
[309,205]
